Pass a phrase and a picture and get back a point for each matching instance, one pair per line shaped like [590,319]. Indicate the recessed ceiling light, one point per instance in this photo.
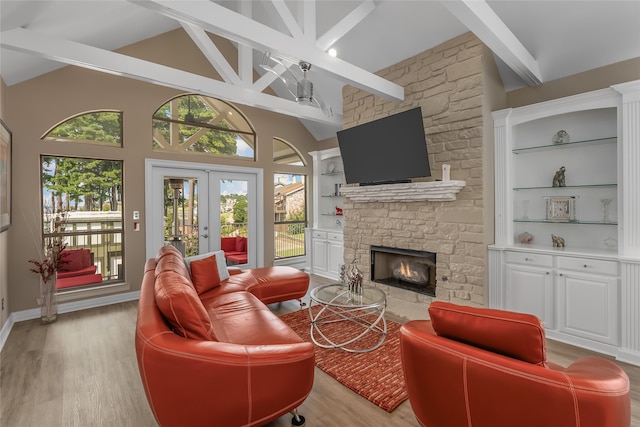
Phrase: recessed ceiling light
[332,52]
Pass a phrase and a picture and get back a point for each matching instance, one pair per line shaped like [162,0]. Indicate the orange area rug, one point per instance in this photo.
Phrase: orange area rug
[376,375]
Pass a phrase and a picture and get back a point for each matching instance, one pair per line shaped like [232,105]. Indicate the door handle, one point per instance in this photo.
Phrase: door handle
[205,235]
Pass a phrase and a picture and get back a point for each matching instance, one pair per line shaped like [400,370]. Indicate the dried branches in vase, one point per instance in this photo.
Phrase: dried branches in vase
[48,265]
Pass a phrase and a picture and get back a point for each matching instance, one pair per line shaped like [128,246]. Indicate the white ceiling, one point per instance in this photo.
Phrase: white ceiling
[533,41]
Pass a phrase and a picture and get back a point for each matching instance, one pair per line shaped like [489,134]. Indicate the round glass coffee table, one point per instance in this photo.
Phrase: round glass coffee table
[340,318]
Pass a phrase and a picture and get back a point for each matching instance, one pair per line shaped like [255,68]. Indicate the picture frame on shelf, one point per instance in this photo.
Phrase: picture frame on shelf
[561,208]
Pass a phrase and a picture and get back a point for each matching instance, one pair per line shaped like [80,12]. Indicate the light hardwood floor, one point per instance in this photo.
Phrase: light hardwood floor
[82,371]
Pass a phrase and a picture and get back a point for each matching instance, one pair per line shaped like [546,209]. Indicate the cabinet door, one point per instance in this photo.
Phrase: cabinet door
[319,253]
[588,306]
[335,258]
[530,290]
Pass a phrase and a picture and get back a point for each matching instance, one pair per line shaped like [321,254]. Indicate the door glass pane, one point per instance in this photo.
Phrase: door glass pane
[289,195]
[234,218]
[181,214]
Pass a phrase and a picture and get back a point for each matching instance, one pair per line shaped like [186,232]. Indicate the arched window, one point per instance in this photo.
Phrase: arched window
[200,124]
[96,127]
[285,153]
[87,194]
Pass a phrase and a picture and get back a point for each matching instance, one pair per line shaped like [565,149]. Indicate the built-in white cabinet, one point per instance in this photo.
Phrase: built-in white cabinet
[326,248]
[530,288]
[586,291]
[588,299]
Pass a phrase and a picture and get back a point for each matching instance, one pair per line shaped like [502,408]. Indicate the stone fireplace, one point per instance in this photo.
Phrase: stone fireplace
[449,82]
[404,268]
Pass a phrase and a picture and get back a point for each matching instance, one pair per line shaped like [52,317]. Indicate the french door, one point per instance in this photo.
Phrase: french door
[195,206]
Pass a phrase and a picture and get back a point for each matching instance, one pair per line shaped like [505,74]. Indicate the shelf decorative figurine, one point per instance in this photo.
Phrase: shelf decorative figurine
[557,241]
[525,238]
[559,178]
[561,137]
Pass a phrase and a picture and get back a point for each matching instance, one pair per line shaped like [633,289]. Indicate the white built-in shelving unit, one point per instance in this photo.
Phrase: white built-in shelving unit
[325,249]
[588,292]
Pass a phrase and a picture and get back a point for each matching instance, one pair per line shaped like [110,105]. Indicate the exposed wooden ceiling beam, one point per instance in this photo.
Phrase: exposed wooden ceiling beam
[478,17]
[345,25]
[64,51]
[212,53]
[219,20]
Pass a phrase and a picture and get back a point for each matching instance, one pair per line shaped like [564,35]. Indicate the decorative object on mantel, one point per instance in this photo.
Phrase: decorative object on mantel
[561,137]
[446,172]
[438,191]
[559,178]
[525,238]
[557,241]
[47,267]
[338,211]
[331,167]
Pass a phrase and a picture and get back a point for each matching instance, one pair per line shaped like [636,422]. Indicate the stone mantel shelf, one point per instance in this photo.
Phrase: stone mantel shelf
[437,191]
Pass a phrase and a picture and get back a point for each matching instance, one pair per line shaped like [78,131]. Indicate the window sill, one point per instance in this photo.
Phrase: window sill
[97,291]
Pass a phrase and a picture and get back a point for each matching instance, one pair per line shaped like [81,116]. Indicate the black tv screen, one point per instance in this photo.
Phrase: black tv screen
[387,150]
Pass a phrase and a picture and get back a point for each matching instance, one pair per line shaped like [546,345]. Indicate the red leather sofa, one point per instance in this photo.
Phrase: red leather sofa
[77,269]
[235,249]
[210,352]
[487,368]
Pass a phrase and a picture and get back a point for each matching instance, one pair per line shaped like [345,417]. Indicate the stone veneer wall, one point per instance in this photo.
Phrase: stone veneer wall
[447,82]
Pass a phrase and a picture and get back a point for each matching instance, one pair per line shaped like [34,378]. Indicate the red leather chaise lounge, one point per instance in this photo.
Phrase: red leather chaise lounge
[210,352]
[487,368]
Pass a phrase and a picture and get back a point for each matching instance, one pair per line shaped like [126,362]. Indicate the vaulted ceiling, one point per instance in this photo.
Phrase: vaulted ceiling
[533,41]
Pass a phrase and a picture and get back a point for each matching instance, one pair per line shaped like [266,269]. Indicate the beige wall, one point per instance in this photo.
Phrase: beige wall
[598,78]
[4,237]
[40,103]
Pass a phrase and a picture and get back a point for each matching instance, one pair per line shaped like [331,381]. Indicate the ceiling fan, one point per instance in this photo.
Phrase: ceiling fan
[294,76]
[189,117]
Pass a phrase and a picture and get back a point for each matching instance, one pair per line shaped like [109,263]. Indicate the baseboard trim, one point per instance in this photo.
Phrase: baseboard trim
[67,307]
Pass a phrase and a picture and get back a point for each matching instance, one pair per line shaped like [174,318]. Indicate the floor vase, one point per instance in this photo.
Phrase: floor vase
[49,301]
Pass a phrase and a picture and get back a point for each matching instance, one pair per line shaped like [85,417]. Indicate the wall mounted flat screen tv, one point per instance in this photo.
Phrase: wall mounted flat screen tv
[388,150]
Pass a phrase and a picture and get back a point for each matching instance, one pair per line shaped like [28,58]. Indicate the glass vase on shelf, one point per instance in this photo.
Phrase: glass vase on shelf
[605,209]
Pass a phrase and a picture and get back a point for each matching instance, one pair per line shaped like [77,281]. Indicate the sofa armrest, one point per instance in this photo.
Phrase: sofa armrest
[598,375]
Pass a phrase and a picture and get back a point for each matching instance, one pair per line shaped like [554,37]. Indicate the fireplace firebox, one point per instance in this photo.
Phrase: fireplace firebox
[404,268]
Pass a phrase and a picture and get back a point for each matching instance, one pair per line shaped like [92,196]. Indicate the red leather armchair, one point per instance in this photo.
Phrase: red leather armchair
[487,368]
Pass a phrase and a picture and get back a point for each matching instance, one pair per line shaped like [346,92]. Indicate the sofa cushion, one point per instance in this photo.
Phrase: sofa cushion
[517,335]
[179,303]
[222,265]
[240,318]
[75,259]
[241,244]
[228,244]
[204,274]
[81,280]
[82,272]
